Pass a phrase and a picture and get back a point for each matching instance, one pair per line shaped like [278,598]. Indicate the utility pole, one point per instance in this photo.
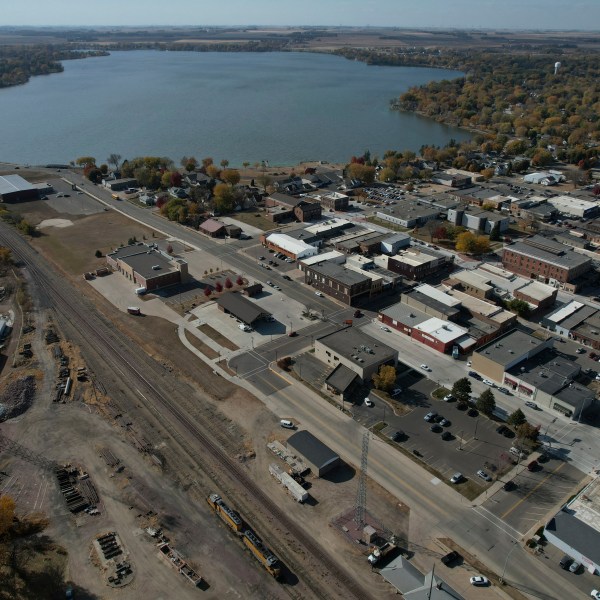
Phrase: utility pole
[360,506]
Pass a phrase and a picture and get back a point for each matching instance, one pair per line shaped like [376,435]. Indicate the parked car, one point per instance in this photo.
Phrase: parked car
[504,390]
[509,486]
[287,277]
[369,402]
[456,478]
[436,428]
[580,351]
[531,404]
[501,429]
[287,424]
[450,557]
[357,314]
[481,473]
[447,436]
[445,423]
[488,382]
[479,580]
[398,435]
[384,328]
[533,465]
[574,566]
[473,412]
[261,258]
[430,416]
[320,294]
[448,398]
[425,367]
[474,375]
[565,562]
[595,594]
[270,283]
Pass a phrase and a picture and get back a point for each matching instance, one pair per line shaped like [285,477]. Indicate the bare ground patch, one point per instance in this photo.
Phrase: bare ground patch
[201,346]
[73,248]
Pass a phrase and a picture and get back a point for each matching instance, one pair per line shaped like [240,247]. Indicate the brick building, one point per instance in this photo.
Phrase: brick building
[148,267]
[289,207]
[417,265]
[338,282]
[547,261]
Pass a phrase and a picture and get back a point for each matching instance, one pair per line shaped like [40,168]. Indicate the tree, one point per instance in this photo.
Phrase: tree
[228,283]
[169,249]
[385,379]
[461,389]
[84,161]
[495,233]
[265,181]
[212,171]
[224,163]
[26,227]
[176,179]
[5,255]
[98,254]
[465,242]
[219,286]
[520,307]
[207,161]
[486,403]
[114,159]
[230,176]
[516,418]
[93,173]
[7,514]
[223,198]
[440,233]
[387,174]
[528,431]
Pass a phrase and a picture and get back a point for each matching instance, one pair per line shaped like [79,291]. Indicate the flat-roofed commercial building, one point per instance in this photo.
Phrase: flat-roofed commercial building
[418,265]
[471,283]
[291,247]
[575,529]
[568,316]
[357,351]
[148,267]
[537,295]
[547,261]
[409,214]
[574,207]
[346,285]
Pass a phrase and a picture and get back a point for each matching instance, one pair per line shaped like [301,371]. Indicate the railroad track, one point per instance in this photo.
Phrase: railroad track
[64,299]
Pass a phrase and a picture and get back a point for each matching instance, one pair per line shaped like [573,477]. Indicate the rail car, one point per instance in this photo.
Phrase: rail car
[228,515]
[269,561]
[233,520]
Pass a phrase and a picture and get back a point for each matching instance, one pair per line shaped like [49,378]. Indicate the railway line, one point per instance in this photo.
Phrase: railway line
[111,344]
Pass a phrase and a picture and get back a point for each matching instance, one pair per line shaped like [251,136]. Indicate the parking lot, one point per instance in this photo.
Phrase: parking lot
[474,443]
[535,495]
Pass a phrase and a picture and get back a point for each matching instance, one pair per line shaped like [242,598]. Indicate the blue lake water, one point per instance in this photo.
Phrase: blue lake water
[279,107]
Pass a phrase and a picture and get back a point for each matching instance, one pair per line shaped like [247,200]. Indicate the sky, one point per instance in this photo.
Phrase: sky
[462,14]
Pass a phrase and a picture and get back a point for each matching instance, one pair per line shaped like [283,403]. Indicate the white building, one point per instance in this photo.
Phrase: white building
[291,246]
[574,207]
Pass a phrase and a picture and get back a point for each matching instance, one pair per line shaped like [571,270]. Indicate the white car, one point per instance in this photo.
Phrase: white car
[488,382]
[469,363]
[320,294]
[384,328]
[456,478]
[479,580]
[595,594]
[448,398]
[483,475]
[369,402]
[425,367]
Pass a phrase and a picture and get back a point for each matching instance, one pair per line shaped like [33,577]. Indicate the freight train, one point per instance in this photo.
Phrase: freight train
[233,520]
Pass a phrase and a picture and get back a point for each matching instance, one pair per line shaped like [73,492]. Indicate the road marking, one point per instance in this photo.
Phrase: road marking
[502,526]
[517,504]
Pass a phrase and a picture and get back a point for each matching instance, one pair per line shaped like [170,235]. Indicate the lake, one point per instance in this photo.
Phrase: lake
[280,107]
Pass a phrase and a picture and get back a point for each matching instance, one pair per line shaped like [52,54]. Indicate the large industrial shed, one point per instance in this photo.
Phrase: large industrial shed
[13,188]
[320,458]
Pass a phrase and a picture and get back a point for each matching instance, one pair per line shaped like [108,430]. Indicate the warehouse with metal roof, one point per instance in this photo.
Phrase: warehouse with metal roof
[320,458]
[13,188]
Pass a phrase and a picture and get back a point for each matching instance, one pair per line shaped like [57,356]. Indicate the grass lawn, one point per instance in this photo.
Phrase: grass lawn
[201,346]
[217,337]
[251,218]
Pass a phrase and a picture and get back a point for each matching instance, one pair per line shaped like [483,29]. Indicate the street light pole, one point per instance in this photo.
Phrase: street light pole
[475,434]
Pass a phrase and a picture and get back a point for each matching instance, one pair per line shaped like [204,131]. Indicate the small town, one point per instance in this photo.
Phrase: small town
[300,311]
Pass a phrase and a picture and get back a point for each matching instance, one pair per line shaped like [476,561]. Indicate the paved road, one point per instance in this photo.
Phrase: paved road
[436,510]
